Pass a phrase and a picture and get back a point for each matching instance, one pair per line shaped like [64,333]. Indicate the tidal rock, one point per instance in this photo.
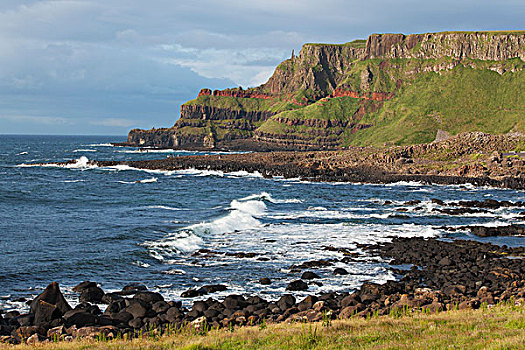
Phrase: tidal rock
[285,302]
[133,288]
[340,271]
[265,281]
[148,297]
[53,296]
[297,285]
[308,275]
[91,295]
[83,285]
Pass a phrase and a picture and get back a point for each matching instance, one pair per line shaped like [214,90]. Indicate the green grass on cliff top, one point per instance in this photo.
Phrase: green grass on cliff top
[245,104]
[460,100]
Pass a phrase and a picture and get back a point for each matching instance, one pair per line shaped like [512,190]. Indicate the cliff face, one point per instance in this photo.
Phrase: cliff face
[486,46]
[393,88]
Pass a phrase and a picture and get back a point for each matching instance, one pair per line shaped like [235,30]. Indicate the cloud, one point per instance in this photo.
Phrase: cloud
[92,62]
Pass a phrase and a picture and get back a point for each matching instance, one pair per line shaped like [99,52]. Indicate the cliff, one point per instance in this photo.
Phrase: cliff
[389,89]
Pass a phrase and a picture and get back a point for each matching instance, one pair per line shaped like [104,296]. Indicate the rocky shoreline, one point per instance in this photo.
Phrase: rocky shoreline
[433,275]
[471,158]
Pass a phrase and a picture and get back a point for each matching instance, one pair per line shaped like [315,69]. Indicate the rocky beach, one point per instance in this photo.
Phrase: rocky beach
[432,274]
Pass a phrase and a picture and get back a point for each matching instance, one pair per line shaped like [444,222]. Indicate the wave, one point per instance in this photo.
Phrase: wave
[82,163]
[178,242]
[164,207]
[153,179]
[268,197]
[243,215]
[84,150]
[21,153]
[72,181]
[100,145]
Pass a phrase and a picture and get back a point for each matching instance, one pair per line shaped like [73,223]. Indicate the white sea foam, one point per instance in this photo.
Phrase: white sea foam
[404,183]
[22,153]
[81,163]
[268,197]
[164,207]
[140,264]
[153,179]
[174,243]
[72,181]
[174,272]
[100,145]
[84,150]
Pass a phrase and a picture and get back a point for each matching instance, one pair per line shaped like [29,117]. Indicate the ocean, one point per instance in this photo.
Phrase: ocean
[177,230]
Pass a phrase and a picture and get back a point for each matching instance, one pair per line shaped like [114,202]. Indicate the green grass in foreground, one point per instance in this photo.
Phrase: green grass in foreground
[501,327]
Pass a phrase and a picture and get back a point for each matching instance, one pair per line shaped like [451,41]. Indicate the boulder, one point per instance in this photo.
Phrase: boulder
[91,295]
[133,288]
[265,281]
[53,296]
[285,302]
[308,275]
[148,297]
[297,285]
[45,313]
[340,271]
[83,285]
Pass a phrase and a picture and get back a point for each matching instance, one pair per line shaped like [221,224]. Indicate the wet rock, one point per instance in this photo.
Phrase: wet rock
[25,320]
[148,297]
[83,285]
[45,313]
[160,307]
[510,230]
[234,302]
[80,318]
[265,281]
[297,285]
[91,295]
[108,298]
[133,288]
[307,303]
[285,302]
[136,309]
[53,296]
[308,275]
[340,271]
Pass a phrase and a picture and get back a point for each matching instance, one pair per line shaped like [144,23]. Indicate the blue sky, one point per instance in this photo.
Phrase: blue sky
[106,66]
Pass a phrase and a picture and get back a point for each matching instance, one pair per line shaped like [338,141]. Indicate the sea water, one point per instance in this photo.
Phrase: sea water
[119,225]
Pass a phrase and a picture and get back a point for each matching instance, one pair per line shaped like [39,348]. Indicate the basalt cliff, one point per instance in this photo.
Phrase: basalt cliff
[390,89]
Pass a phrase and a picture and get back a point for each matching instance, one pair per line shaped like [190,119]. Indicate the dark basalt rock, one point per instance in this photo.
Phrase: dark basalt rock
[148,297]
[285,302]
[297,285]
[340,271]
[133,288]
[308,275]
[91,295]
[80,318]
[265,281]
[484,231]
[83,285]
[53,296]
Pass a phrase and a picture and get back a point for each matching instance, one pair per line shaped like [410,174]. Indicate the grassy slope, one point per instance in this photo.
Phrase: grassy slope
[463,99]
[500,327]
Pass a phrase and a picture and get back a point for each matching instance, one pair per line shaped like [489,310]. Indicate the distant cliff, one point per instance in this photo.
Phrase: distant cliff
[389,89]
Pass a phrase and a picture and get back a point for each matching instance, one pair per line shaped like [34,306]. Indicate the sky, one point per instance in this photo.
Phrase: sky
[103,67]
